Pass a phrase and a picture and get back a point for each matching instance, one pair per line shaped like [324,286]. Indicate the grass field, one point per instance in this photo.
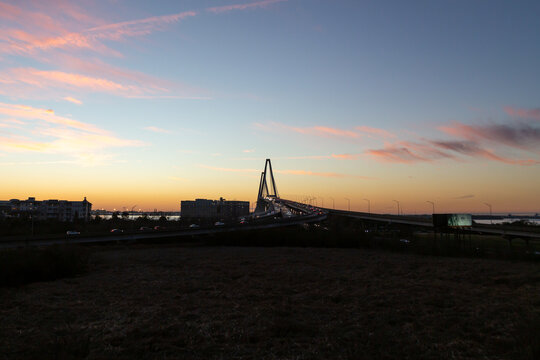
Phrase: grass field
[172,302]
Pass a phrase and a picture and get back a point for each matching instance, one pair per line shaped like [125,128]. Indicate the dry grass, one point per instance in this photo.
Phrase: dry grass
[171,302]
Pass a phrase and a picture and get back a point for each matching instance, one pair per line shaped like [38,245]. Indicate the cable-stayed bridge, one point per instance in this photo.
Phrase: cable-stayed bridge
[271,212]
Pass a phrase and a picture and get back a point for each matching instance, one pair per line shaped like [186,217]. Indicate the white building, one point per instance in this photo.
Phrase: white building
[61,210]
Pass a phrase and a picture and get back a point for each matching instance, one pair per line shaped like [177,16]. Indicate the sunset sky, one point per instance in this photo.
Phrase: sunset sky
[147,103]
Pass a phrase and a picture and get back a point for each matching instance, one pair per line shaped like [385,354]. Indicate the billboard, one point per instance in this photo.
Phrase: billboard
[452,220]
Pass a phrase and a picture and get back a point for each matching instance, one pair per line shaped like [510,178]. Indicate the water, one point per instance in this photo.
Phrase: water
[507,221]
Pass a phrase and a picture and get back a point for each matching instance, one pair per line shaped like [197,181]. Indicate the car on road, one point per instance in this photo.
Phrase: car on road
[219,223]
[73,232]
[145,228]
[194,226]
[117,230]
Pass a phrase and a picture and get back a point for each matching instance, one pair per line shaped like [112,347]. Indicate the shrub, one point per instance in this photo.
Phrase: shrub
[23,266]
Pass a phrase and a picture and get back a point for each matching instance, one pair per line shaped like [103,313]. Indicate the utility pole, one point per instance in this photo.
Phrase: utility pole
[333,203]
[349,202]
[397,202]
[368,206]
[490,213]
[432,206]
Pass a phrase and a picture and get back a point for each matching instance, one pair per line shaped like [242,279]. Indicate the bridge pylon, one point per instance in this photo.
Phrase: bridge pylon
[267,187]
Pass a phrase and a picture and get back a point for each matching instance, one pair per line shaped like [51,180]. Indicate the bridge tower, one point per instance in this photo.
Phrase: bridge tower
[267,187]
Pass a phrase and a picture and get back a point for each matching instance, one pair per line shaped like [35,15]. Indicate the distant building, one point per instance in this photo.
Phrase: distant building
[61,210]
[213,209]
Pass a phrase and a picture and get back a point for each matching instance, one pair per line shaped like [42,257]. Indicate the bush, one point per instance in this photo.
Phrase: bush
[23,266]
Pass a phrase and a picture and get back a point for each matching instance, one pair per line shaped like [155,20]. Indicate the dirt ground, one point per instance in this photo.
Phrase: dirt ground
[167,302]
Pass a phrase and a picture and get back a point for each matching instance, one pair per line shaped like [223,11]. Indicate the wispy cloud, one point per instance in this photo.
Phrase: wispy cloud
[523,113]
[395,154]
[57,35]
[248,151]
[228,169]
[521,135]
[120,30]
[287,172]
[328,131]
[157,130]
[489,141]
[30,80]
[73,100]
[69,40]
[252,5]
[470,148]
[346,156]
[27,112]
[320,174]
[375,132]
[20,42]
[323,131]
[463,197]
[314,157]
[408,153]
[47,133]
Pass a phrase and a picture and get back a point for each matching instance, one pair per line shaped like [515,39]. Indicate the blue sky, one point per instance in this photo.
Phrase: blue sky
[155,102]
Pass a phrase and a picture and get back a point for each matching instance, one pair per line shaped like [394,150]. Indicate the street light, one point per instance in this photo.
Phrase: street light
[397,202]
[432,206]
[333,203]
[490,213]
[368,206]
[349,202]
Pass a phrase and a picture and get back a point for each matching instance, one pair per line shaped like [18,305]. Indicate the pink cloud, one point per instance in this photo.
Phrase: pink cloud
[326,131]
[523,113]
[44,78]
[375,131]
[47,115]
[409,153]
[24,17]
[345,156]
[469,141]
[320,174]
[286,172]
[323,131]
[157,130]
[473,149]
[18,41]
[315,157]
[228,169]
[141,27]
[11,123]
[91,75]
[73,100]
[55,134]
[396,154]
[520,136]
[226,8]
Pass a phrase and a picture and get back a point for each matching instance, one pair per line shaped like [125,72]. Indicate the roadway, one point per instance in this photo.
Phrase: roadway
[476,228]
[151,235]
